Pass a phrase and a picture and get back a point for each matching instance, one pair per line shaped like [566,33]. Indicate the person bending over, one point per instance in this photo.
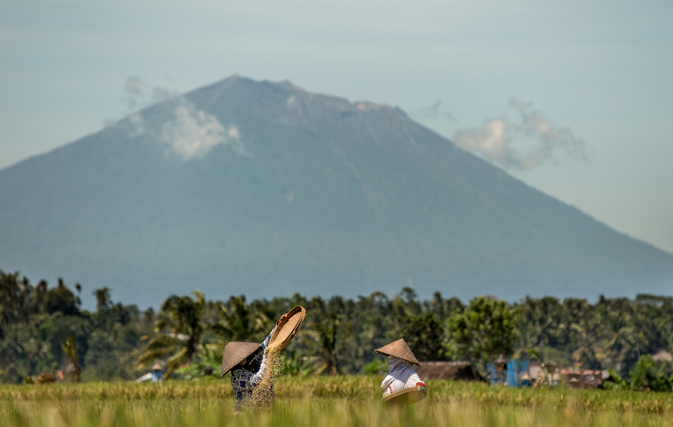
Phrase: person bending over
[247,362]
[401,375]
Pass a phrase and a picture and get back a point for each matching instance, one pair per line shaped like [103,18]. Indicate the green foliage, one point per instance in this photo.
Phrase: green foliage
[646,377]
[295,365]
[533,354]
[103,299]
[643,376]
[328,338]
[485,329]
[44,330]
[425,334]
[177,332]
[206,363]
[69,348]
[662,383]
[615,381]
[239,321]
[377,367]
[61,299]
[338,336]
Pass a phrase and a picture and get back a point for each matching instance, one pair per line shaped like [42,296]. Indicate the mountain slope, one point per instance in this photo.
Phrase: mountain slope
[265,189]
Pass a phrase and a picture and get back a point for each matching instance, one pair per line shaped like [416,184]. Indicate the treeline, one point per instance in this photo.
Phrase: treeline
[188,333]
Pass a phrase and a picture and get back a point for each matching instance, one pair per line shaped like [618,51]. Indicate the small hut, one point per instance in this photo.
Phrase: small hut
[583,378]
[662,356]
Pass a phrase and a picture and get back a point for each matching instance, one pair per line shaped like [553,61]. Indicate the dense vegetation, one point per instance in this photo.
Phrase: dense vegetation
[43,329]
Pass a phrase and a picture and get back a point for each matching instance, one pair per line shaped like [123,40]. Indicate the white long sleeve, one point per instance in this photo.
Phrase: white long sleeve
[259,376]
[400,376]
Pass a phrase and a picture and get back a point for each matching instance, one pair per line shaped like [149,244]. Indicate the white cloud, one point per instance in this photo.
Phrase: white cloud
[137,125]
[192,133]
[490,139]
[496,139]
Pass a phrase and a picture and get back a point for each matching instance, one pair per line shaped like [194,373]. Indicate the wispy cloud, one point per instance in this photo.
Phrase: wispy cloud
[138,93]
[189,133]
[192,133]
[137,125]
[496,139]
[434,112]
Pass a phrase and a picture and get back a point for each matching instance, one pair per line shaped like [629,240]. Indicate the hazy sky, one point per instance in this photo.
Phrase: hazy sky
[573,97]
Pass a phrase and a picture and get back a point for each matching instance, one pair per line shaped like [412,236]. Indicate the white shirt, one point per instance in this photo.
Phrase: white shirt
[400,376]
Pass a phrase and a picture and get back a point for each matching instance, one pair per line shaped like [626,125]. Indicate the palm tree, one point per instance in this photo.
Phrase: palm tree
[406,303]
[619,331]
[240,322]
[538,324]
[573,309]
[103,299]
[72,353]
[177,331]
[328,342]
[528,340]
[13,297]
[588,336]
[619,344]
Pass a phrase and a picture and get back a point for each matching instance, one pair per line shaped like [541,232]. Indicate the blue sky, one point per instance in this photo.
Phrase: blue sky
[601,71]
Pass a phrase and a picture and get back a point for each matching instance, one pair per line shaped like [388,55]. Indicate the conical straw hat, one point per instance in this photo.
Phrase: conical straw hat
[236,352]
[288,328]
[399,349]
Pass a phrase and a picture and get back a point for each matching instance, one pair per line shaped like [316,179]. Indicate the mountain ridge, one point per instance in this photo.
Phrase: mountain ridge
[264,188]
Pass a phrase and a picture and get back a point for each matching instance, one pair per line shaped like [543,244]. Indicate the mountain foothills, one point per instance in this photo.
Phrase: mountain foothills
[265,189]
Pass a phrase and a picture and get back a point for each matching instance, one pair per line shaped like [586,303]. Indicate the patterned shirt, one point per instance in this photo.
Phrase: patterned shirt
[244,381]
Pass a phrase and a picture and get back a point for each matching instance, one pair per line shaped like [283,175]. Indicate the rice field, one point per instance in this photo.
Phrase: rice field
[325,401]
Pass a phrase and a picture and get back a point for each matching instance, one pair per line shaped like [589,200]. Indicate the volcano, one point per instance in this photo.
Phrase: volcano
[265,189]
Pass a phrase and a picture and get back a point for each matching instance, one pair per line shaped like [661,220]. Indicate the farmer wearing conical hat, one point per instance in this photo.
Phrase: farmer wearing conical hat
[157,373]
[401,375]
[248,363]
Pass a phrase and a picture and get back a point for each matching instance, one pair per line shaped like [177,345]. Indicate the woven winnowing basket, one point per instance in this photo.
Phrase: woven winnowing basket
[406,396]
[288,328]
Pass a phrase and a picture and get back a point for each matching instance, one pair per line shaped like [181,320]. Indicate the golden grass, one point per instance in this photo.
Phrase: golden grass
[323,401]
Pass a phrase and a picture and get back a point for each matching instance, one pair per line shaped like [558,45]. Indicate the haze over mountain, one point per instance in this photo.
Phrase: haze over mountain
[265,189]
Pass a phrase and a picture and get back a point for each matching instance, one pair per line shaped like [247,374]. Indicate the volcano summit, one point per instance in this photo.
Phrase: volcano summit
[265,189]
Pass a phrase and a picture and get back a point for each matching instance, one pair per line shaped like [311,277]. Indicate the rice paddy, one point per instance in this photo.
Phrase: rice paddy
[325,401]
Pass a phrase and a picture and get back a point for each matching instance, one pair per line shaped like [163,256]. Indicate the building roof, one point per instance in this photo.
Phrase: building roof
[583,378]
[662,356]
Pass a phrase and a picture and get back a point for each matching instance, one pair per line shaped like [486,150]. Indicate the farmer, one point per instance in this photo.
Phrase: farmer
[401,375]
[247,362]
[157,373]
[156,376]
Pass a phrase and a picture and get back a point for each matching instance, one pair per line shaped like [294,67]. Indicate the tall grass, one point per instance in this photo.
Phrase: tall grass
[341,401]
